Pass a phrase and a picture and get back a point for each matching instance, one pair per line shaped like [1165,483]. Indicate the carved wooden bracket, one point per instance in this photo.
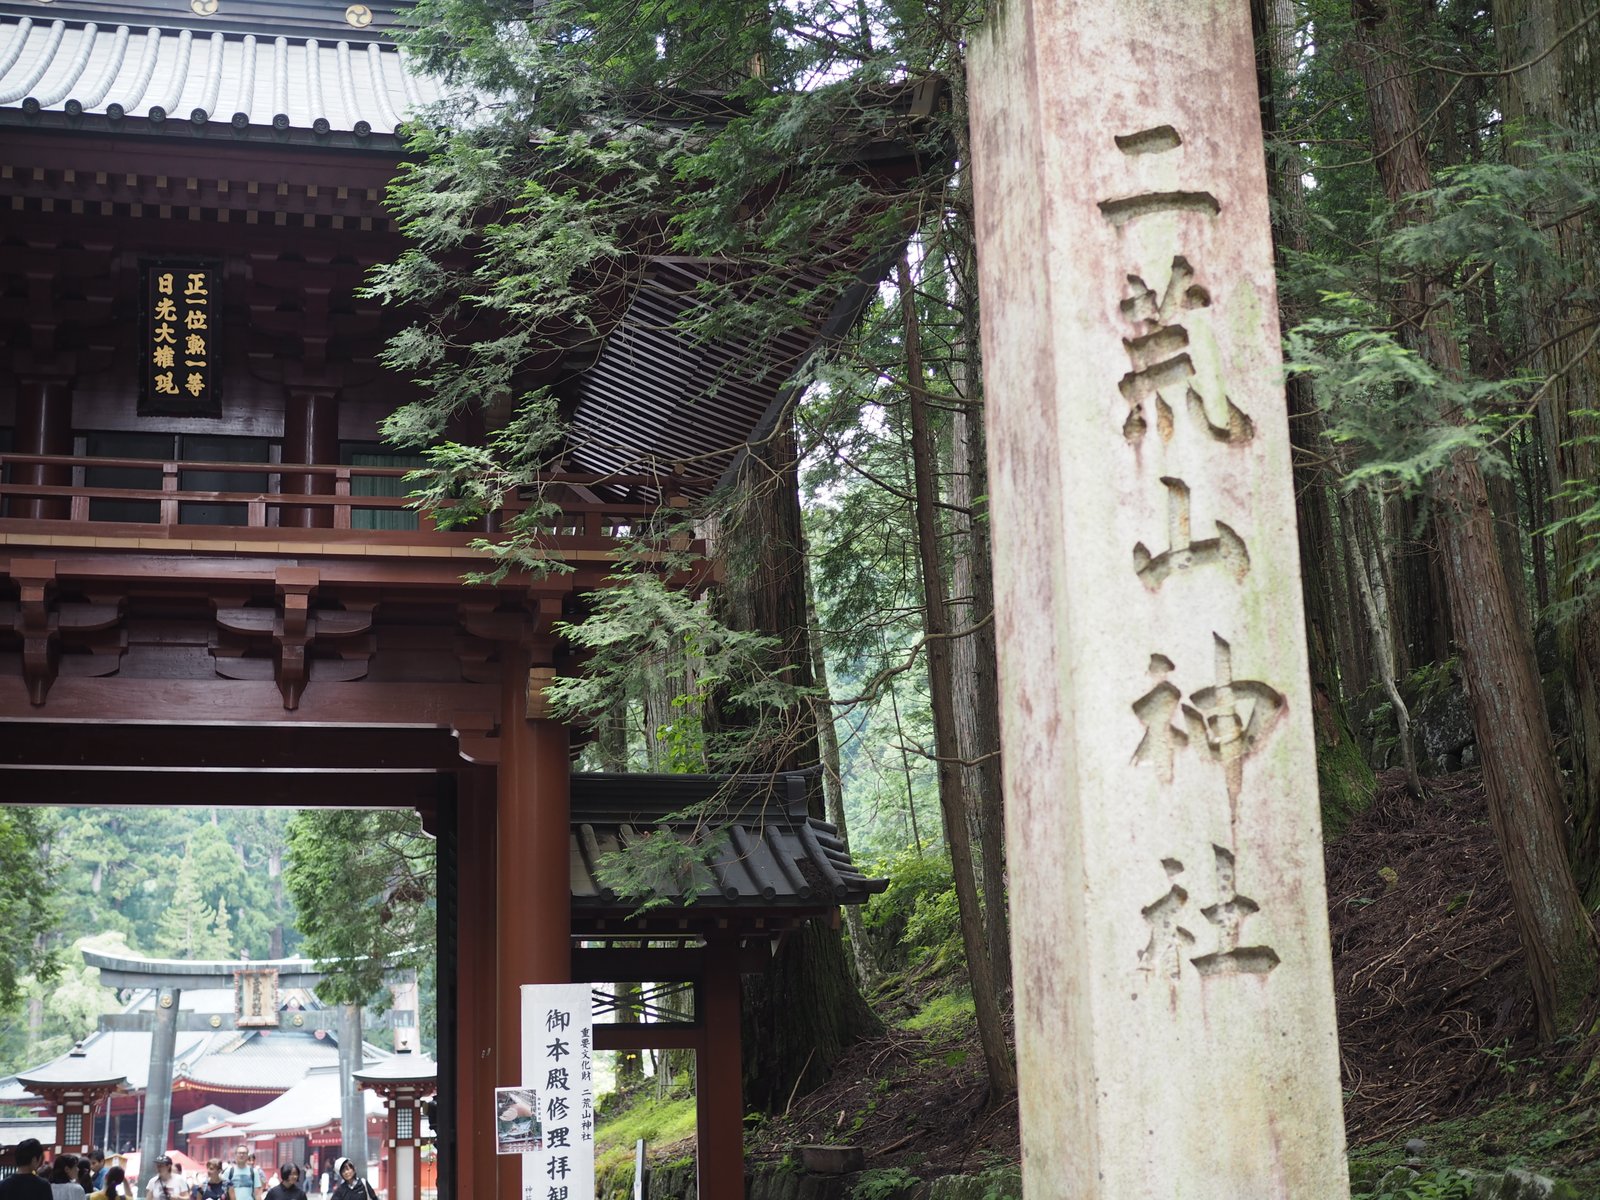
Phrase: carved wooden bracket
[476,737]
[290,630]
[44,623]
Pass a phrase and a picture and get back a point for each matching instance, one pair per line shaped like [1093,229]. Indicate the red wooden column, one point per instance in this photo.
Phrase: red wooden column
[475,995]
[44,426]
[310,435]
[533,893]
[719,1075]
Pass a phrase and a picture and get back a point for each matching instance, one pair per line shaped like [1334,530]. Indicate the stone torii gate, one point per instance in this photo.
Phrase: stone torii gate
[259,982]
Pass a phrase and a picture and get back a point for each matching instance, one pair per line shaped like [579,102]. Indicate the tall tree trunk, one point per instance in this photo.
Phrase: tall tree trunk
[1556,89]
[1508,715]
[805,1011]
[611,737]
[1375,604]
[1345,783]
[941,687]
[867,973]
[972,577]
[906,776]
[1356,655]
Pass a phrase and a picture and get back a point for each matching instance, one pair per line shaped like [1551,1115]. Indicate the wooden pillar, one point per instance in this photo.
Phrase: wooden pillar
[533,894]
[44,426]
[719,1076]
[310,435]
[476,1057]
[1174,993]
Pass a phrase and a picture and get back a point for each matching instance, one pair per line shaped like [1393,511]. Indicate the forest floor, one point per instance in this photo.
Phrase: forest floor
[1435,1025]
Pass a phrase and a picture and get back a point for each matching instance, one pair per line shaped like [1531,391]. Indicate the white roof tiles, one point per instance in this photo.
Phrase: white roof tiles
[158,74]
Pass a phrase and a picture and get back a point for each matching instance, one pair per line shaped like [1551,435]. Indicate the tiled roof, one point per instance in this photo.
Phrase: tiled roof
[100,75]
[230,1059]
[767,851]
[311,1103]
[259,1064]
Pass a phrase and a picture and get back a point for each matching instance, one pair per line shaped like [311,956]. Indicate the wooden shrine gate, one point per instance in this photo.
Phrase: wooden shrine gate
[500,923]
[212,589]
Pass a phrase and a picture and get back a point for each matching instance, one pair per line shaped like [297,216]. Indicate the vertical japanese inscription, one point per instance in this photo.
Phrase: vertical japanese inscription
[179,368]
[1228,721]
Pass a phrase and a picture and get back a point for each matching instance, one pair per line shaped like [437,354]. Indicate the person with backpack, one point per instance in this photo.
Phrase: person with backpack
[245,1179]
[351,1186]
[214,1187]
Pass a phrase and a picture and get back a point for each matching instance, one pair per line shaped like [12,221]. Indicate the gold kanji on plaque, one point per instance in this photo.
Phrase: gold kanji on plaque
[182,331]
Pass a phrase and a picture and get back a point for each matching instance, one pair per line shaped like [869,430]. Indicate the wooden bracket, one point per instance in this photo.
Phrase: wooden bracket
[291,630]
[42,623]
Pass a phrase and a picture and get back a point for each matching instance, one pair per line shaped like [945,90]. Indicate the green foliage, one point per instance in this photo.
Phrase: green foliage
[26,911]
[1396,416]
[117,872]
[1582,496]
[709,130]
[189,927]
[945,1014]
[915,917]
[1439,1185]
[659,1122]
[638,628]
[364,885]
[883,1183]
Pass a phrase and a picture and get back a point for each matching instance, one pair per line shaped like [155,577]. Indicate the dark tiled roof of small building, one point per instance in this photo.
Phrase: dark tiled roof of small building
[762,849]
[106,71]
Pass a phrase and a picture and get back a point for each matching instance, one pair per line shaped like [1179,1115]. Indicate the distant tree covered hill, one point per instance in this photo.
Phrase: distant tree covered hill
[195,882]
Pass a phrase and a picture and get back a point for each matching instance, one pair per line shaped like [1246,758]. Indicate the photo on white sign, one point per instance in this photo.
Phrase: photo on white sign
[517,1127]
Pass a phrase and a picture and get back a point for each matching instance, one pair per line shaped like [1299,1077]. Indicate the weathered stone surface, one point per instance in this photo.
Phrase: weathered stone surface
[1175,1021]
[832,1160]
[1441,723]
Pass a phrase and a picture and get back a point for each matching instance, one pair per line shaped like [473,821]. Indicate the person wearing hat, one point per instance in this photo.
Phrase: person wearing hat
[351,1186]
[166,1185]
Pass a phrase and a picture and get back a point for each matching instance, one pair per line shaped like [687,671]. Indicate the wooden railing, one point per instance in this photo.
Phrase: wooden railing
[34,500]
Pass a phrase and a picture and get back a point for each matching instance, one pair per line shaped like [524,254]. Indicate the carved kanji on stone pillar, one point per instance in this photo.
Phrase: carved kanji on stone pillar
[43,623]
[291,630]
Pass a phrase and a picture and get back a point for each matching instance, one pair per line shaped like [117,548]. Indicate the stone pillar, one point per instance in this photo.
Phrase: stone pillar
[158,1089]
[44,426]
[1175,1020]
[352,1105]
[310,435]
[533,898]
[719,1076]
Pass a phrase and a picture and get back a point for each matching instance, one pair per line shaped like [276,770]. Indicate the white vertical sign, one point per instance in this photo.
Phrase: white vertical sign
[558,1065]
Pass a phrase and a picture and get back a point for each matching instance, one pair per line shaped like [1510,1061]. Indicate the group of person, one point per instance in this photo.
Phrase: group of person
[90,1177]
